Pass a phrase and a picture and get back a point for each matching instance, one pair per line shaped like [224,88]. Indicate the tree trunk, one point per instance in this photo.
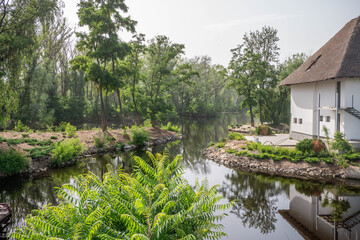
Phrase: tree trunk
[252,117]
[260,110]
[135,106]
[102,110]
[120,106]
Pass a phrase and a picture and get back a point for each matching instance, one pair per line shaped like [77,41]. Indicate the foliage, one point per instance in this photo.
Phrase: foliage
[236,136]
[263,130]
[220,145]
[99,142]
[70,130]
[20,127]
[54,137]
[170,127]
[341,144]
[25,135]
[139,137]
[12,162]
[30,141]
[66,150]
[318,146]
[61,127]
[154,203]
[305,146]
[40,152]
[340,206]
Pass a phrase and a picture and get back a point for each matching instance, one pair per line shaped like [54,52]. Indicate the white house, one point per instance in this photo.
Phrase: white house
[325,90]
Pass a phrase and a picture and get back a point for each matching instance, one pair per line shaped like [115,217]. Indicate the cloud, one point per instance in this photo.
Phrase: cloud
[244,21]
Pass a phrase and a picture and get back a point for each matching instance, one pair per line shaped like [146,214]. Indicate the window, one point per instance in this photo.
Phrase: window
[321,118]
[327,118]
[300,120]
[295,120]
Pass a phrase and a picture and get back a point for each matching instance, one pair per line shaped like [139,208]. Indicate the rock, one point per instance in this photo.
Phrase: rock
[352,172]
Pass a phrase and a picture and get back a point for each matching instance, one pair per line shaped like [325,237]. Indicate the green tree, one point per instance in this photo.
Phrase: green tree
[264,43]
[246,67]
[153,203]
[100,44]
[162,56]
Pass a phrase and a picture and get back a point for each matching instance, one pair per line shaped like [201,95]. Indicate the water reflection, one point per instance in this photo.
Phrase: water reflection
[328,213]
[255,214]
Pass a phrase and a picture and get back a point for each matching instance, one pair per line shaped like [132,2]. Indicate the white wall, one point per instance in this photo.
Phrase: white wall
[303,106]
[327,91]
[352,124]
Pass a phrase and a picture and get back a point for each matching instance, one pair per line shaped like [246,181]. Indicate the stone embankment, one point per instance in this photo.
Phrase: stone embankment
[158,136]
[301,170]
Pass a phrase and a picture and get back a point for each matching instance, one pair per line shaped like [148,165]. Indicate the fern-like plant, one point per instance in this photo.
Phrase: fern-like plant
[153,203]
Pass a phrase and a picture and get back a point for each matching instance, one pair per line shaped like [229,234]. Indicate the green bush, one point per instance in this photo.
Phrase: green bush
[39,152]
[25,135]
[139,137]
[66,150]
[12,162]
[54,137]
[341,144]
[211,143]
[236,136]
[20,127]
[263,130]
[99,142]
[147,123]
[124,133]
[220,145]
[305,146]
[119,145]
[155,201]
[61,127]
[70,130]
[171,127]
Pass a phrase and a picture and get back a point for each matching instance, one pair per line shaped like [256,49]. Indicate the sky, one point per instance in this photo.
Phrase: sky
[214,27]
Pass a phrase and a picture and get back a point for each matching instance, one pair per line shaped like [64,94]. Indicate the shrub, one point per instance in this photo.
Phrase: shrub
[341,144]
[39,152]
[12,162]
[171,127]
[156,200]
[119,145]
[124,133]
[139,137]
[318,146]
[263,130]
[25,135]
[54,137]
[66,150]
[70,130]
[61,127]
[211,143]
[20,127]
[220,145]
[147,123]
[236,136]
[305,146]
[99,142]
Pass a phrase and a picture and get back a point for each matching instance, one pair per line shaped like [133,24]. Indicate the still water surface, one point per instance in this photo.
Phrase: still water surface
[266,207]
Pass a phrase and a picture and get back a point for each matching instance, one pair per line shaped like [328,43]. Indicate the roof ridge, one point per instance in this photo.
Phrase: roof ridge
[357,19]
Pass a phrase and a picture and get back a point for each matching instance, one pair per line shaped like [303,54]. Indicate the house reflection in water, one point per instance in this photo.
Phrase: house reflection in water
[326,215]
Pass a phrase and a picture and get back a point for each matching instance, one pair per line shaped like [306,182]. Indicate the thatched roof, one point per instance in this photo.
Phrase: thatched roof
[338,58]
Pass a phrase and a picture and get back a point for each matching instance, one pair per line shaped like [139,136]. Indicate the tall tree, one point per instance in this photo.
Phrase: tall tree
[246,67]
[264,43]
[162,56]
[100,44]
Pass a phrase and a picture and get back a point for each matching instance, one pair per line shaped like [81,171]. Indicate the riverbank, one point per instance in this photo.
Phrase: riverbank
[228,155]
[113,140]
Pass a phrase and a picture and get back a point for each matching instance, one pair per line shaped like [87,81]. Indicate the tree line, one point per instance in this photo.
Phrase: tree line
[45,78]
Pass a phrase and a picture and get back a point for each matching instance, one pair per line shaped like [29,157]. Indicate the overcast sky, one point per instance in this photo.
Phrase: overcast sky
[213,27]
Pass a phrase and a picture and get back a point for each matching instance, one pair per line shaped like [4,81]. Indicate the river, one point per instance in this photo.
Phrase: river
[266,207]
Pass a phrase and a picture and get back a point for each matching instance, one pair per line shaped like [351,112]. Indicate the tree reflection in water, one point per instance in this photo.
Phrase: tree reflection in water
[256,199]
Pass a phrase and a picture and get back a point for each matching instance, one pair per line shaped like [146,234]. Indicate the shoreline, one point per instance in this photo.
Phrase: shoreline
[321,172]
[158,136]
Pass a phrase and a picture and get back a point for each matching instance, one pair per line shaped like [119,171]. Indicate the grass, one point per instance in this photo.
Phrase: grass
[30,141]
[255,150]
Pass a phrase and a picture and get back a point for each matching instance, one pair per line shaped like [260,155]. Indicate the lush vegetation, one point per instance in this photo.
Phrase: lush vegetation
[153,203]
[170,127]
[12,162]
[307,150]
[66,150]
[263,130]
[255,73]
[139,136]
